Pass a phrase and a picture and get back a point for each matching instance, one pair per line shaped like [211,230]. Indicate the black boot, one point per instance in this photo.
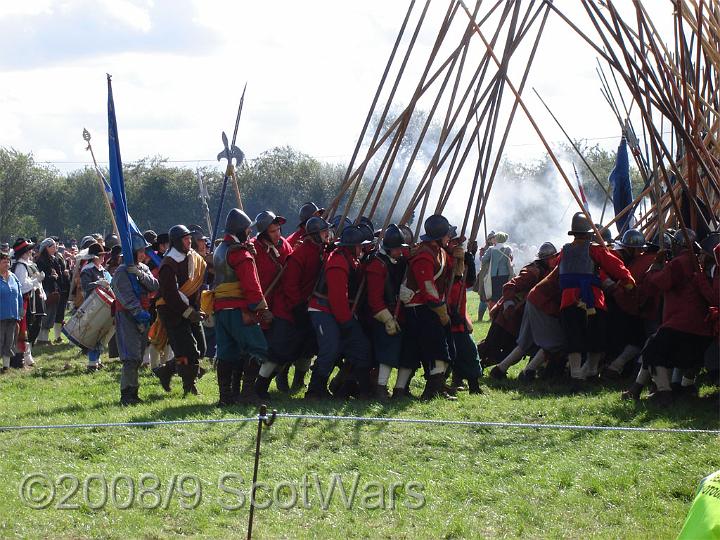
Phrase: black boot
[381,393]
[338,380]
[281,380]
[164,373]
[298,382]
[318,388]
[188,374]
[474,385]
[434,388]
[224,379]
[128,396]
[262,384]
[249,376]
[235,380]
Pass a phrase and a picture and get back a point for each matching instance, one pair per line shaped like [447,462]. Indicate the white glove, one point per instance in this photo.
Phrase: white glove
[40,276]
[104,283]
[132,269]
[405,294]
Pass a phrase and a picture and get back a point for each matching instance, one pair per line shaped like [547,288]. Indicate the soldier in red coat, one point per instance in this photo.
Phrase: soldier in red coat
[685,332]
[291,337]
[466,365]
[307,210]
[332,313]
[506,325]
[629,310]
[428,319]
[385,273]
[271,251]
[582,308]
[239,307]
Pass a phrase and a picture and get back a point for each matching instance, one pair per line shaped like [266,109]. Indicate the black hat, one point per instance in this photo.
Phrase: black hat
[393,237]
[162,238]
[21,246]
[352,235]
[436,226]
[308,210]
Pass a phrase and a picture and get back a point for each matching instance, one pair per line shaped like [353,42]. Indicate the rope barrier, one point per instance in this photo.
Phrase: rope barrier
[371,419]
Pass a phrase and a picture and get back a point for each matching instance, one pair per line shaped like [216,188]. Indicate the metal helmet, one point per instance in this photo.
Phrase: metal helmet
[680,241]
[605,233]
[139,243]
[709,243]
[490,236]
[436,226]
[111,241]
[335,222]
[237,222]
[176,234]
[580,224]
[266,218]
[546,251]
[632,239]
[86,241]
[408,235]
[367,231]
[308,210]
[352,235]
[362,220]
[393,237]
[657,244]
[150,236]
[316,225]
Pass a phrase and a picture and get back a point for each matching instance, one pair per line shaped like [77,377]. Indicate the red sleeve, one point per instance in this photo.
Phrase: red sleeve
[666,278]
[291,280]
[244,266]
[423,271]
[376,273]
[337,282]
[520,285]
[708,291]
[611,264]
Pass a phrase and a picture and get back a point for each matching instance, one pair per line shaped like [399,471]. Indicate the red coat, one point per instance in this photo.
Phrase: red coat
[295,238]
[609,264]
[297,282]
[243,264]
[642,300]
[376,273]
[429,261]
[684,306]
[546,295]
[457,302]
[516,290]
[337,275]
[269,260]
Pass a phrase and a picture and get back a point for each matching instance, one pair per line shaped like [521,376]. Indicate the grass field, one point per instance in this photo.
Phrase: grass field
[470,482]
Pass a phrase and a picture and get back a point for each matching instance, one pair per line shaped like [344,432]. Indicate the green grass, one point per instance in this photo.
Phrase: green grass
[477,482]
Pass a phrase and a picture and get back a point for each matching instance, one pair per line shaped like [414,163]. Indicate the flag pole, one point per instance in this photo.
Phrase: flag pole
[86,137]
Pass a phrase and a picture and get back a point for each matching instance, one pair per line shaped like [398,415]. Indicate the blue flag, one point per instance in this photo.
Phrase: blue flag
[116,189]
[620,182]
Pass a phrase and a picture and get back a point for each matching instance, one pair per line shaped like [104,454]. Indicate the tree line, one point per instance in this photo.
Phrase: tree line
[37,200]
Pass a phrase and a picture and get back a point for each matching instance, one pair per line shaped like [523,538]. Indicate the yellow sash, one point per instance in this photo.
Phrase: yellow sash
[196,267]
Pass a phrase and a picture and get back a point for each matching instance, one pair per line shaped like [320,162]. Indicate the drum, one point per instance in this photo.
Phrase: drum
[92,323]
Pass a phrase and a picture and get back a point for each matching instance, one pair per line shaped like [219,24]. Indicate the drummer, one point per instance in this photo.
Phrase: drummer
[94,275]
[132,318]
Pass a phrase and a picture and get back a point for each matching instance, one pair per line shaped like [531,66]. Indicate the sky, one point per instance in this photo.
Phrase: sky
[179,67]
